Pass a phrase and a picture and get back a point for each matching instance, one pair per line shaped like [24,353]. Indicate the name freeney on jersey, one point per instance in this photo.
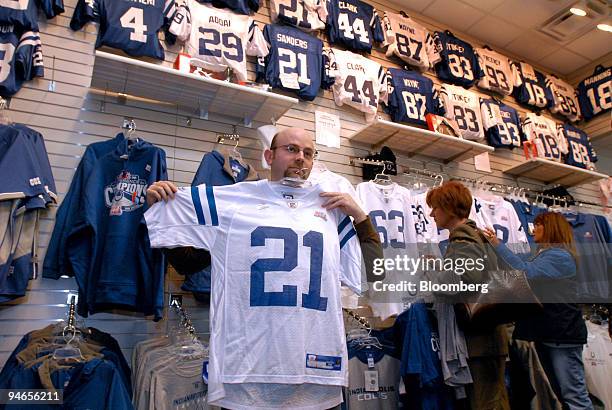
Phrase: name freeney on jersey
[278,258]
[359,81]
[218,37]
[498,73]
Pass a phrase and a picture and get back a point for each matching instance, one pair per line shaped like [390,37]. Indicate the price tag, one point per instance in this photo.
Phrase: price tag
[370,362]
[371,380]
[290,81]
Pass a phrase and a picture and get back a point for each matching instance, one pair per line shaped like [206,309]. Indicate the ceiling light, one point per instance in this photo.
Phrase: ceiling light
[578,10]
[605,26]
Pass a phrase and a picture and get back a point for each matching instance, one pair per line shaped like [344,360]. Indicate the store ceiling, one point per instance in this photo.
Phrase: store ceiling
[514,25]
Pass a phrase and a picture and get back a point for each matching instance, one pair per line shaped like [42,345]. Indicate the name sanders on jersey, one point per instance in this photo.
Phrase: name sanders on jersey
[219,21]
[283,38]
[346,6]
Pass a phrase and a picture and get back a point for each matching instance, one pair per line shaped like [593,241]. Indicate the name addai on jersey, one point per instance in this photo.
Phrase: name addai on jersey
[411,97]
[354,24]
[295,62]
[131,26]
[293,256]
[219,37]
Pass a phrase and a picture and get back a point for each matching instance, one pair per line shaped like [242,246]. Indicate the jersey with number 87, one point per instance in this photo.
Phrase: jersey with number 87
[127,25]
[218,36]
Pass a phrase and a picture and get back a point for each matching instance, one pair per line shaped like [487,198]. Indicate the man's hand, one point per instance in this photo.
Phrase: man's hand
[345,203]
[490,234]
[160,190]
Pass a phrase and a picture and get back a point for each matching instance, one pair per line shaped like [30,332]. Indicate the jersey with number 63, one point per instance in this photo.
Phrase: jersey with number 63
[463,106]
[21,59]
[353,24]
[407,39]
[278,258]
[295,61]
[411,97]
[564,100]
[218,36]
[501,123]
[359,81]
[498,73]
[131,26]
[454,59]
[580,152]
[550,143]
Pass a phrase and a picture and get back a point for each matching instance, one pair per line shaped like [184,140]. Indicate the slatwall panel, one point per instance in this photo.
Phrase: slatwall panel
[74,116]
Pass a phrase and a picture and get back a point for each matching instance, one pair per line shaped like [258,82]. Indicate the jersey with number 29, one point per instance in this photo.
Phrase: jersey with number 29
[131,26]
[278,258]
[218,36]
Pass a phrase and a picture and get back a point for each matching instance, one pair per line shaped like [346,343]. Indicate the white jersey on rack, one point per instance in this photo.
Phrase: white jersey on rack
[308,15]
[546,136]
[497,213]
[359,81]
[565,100]
[424,225]
[278,258]
[407,39]
[219,37]
[463,106]
[389,208]
[499,74]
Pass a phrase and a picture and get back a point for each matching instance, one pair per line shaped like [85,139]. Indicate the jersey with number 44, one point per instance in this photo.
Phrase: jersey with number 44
[454,59]
[407,39]
[530,88]
[542,131]
[580,152]
[21,59]
[219,37]
[595,92]
[463,106]
[411,97]
[359,81]
[278,258]
[131,26]
[353,24]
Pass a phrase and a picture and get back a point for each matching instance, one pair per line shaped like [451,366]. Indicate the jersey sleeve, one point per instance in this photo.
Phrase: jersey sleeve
[445,103]
[329,68]
[84,12]
[488,117]
[190,219]
[383,78]
[181,23]
[350,254]
[257,44]
[435,49]
[377,29]
[52,8]
[561,140]
[29,57]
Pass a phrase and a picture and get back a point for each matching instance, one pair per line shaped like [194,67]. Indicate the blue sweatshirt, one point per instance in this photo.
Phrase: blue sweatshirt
[551,263]
[109,248]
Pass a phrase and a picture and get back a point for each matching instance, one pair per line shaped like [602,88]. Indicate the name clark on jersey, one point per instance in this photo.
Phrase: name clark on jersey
[292,41]
[356,67]
[346,6]
[404,27]
[598,77]
[219,21]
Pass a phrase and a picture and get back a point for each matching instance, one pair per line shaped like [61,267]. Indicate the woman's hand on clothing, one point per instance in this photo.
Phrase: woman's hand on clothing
[490,234]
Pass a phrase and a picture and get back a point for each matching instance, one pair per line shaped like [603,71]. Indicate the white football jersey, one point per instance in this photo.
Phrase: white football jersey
[497,213]
[424,225]
[218,36]
[278,258]
[463,106]
[499,74]
[597,358]
[407,39]
[359,81]
[544,132]
[565,100]
[309,15]
[389,207]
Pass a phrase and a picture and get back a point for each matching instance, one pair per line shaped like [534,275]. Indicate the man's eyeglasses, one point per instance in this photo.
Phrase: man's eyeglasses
[309,153]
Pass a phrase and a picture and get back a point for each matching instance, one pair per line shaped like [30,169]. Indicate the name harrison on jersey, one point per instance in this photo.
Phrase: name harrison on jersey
[292,41]
[219,21]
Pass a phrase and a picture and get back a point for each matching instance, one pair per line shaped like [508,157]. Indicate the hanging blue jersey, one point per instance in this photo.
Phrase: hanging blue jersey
[21,58]
[595,92]
[354,24]
[527,214]
[501,123]
[455,60]
[411,97]
[294,62]
[131,26]
[580,151]
[530,88]
[24,13]
[239,6]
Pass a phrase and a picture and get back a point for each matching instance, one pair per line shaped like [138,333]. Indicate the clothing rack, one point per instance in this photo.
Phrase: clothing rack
[359,319]
[364,161]
[423,172]
[185,318]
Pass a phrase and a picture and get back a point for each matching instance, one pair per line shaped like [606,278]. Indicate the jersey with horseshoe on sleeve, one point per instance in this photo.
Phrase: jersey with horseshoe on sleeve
[278,259]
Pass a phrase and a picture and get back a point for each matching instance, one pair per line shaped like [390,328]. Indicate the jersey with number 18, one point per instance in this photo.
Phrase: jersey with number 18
[278,258]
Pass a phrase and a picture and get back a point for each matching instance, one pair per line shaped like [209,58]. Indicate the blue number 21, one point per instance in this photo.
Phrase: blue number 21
[289,261]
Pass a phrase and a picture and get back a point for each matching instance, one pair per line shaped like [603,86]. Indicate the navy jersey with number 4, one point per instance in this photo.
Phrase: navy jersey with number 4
[455,60]
[131,26]
[411,97]
[354,24]
[21,59]
[294,62]
[24,13]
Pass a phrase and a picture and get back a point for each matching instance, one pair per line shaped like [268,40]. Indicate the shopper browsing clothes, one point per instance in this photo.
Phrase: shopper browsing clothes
[558,331]
[487,348]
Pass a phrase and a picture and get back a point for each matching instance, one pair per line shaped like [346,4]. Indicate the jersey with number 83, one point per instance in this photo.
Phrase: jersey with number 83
[463,106]
[454,59]
[219,37]
[131,26]
[278,258]
[359,81]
